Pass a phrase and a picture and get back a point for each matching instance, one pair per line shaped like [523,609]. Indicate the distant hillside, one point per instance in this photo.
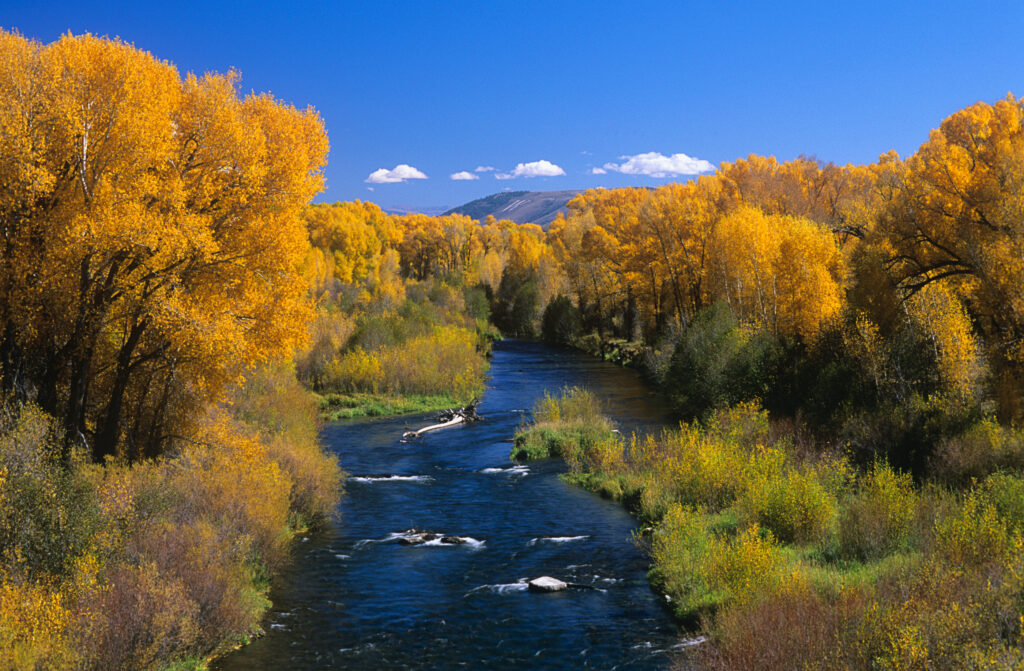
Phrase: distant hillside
[428,210]
[522,207]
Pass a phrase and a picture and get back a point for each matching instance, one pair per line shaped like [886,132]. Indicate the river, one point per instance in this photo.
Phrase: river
[355,598]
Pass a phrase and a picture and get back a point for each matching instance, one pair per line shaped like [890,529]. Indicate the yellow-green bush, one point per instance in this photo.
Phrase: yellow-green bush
[796,505]
[444,361]
[355,370]
[877,519]
[700,570]
[975,534]
[1006,493]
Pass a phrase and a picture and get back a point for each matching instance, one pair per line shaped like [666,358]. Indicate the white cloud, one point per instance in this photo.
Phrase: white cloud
[540,168]
[485,168]
[654,164]
[400,173]
[598,171]
[463,175]
[503,175]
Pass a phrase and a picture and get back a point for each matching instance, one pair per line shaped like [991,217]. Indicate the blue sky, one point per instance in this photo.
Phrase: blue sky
[446,87]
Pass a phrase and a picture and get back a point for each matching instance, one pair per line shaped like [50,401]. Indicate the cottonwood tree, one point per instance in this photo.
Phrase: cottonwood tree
[151,236]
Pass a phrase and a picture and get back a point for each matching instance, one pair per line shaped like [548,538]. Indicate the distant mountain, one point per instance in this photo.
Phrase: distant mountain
[428,210]
[522,207]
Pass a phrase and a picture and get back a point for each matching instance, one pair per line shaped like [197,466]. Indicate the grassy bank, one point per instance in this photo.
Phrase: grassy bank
[347,406]
[789,556]
[564,427]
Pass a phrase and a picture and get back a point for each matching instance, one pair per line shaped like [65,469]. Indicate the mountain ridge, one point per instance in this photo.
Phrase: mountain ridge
[522,207]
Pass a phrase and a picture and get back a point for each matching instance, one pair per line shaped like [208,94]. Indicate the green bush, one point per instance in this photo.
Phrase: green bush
[561,322]
[515,303]
[718,363]
[796,504]
[700,571]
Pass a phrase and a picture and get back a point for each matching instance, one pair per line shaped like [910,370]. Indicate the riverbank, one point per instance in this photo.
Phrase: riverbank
[334,407]
[163,563]
[787,556]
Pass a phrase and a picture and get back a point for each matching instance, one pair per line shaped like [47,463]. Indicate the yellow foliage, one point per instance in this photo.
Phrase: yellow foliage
[356,370]
[445,361]
[941,315]
[157,246]
[34,626]
[780,273]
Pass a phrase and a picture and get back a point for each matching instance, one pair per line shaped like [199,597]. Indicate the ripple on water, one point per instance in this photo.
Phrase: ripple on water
[390,478]
[556,539]
[519,469]
[502,588]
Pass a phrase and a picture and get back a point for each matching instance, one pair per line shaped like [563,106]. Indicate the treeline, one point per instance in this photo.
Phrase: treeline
[878,302]
[157,453]
[406,304]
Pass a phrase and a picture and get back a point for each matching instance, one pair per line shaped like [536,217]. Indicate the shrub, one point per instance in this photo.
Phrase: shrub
[286,417]
[877,519]
[974,534]
[356,370]
[515,302]
[718,363]
[798,628]
[329,334]
[1006,493]
[146,619]
[228,478]
[796,504]
[446,361]
[477,304]
[693,467]
[700,570]
[47,511]
[984,448]
[34,625]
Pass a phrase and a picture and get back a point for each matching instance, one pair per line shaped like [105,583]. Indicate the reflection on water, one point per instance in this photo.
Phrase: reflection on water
[358,596]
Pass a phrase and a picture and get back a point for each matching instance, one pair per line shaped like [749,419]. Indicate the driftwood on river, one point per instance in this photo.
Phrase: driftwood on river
[449,417]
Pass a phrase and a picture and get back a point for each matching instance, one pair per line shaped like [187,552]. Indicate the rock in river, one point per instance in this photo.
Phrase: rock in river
[546,584]
[414,537]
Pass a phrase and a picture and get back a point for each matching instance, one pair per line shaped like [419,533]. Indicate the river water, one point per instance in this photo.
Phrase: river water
[355,598]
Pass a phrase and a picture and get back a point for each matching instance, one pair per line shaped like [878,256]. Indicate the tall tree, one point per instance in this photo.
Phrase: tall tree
[152,235]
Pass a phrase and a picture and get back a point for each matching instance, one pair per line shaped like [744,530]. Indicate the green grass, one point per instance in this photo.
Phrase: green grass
[347,406]
[565,440]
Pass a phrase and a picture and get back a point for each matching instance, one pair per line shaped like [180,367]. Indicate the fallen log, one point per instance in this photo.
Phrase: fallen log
[417,434]
[449,418]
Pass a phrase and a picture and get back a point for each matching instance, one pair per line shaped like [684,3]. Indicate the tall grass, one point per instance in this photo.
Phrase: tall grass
[569,426]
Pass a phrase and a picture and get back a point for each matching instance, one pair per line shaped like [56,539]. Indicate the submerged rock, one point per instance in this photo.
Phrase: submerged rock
[453,540]
[546,584]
